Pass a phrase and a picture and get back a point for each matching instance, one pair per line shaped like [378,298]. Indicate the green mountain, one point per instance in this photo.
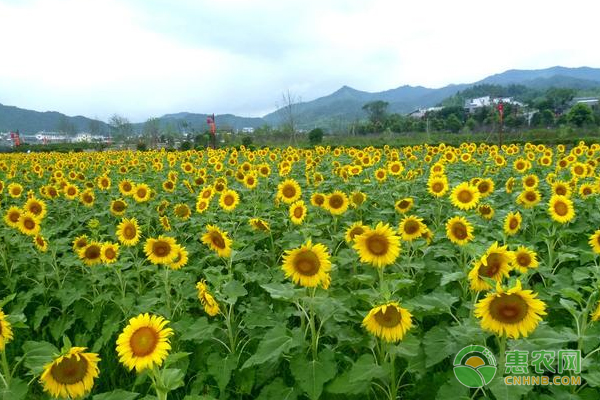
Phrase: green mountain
[336,110]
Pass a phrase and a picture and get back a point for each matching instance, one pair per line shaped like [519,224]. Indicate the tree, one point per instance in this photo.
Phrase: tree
[315,136]
[580,114]
[376,111]
[65,126]
[559,98]
[95,126]
[453,123]
[120,127]
[151,130]
[288,114]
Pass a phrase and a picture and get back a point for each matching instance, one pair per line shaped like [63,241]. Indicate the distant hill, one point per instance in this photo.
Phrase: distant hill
[334,110]
[29,121]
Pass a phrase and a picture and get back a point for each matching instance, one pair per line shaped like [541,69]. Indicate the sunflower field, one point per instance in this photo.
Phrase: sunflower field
[323,273]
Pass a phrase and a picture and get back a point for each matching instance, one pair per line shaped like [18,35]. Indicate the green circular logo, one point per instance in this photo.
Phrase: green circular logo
[475,366]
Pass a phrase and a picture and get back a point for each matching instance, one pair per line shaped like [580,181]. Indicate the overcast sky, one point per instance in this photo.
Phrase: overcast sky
[148,58]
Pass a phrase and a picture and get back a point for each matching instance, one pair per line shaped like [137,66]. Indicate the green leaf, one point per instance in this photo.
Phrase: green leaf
[358,378]
[232,290]
[276,342]
[16,391]
[118,394]
[438,345]
[171,378]
[502,391]
[37,355]
[312,375]
[7,299]
[453,389]
[220,369]
[199,331]
[279,291]
[277,390]
[432,303]
[451,277]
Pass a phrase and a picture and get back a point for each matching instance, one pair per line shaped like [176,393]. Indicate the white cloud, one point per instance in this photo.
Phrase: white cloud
[143,59]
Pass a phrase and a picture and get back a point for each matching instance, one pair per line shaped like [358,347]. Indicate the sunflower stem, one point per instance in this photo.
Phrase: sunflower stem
[230,333]
[502,348]
[6,375]
[313,331]
[167,291]
[393,383]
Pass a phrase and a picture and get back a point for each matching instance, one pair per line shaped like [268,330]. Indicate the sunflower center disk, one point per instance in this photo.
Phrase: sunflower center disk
[143,341]
[494,263]
[161,249]
[289,192]
[411,227]
[561,208]
[228,200]
[465,196]
[298,212]
[377,245]
[129,232]
[92,252]
[513,223]
[390,318]
[70,370]
[119,206]
[459,231]
[403,204]
[437,187]
[29,224]
[336,202]
[508,308]
[217,240]
[523,259]
[307,264]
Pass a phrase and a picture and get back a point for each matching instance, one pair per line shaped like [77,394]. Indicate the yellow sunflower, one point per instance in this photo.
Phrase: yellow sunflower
[144,343]
[258,224]
[71,375]
[217,240]
[494,264]
[181,258]
[464,196]
[529,198]
[15,190]
[512,313]
[40,243]
[87,197]
[586,190]
[561,188]
[512,223]
[118,207]
[437,185]
[211,307]
[389,322]
[354,230]
[128,232]
[29,224]
[229,199]
[317,199]
[411,227]
[404,205]
[595,241]
[164,221]
[182,211]
[91,253]
[80,242]
[308,265]
[525,259]
[378,247]
[356,199]
[109,252]
[141,193]
[161,251]
[12,216]
[336,203]
[486,211]
[485,187]
[561,209]
[6,333]
[36,207]
[288,191]
[297,212]
[126,187]
[459,230]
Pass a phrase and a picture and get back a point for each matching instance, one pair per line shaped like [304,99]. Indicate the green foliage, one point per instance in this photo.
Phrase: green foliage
[580,115]
[315,136]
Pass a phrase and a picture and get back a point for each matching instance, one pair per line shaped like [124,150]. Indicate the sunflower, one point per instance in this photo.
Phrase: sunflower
[144,343]
[356,199]
[512,223]
[595,241]
[464,196]
[258,224]
[91,254]
[217,240]
[437,185]
[168,186]
[36,207]
[530,181]
[109,252]
[586,190]
[561,209]
[529,198]
[29,224]
[511,313]
[118,207]
[15,190]
[395,168]
[485,187]
[308,265]
[87,197]
[336,203]
[388,322]
[378,247]
[381,175]
[206,193]
[6,333]
[411,227]
[524,259]
[181,258]
[182,211]
[354,230]
[510,183]
[486,211]
[297,212]
[561,188]
[128,232]
[404,205]
[595,315]
[126,187]
[161,251]
[72,374]
[80,242]
[459,230]
[211,307]
[317,199]
[229,200]
[250,181]
[141,193]
[12,216]
[494,264]
[164,221]
[288,191]
[40,243]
